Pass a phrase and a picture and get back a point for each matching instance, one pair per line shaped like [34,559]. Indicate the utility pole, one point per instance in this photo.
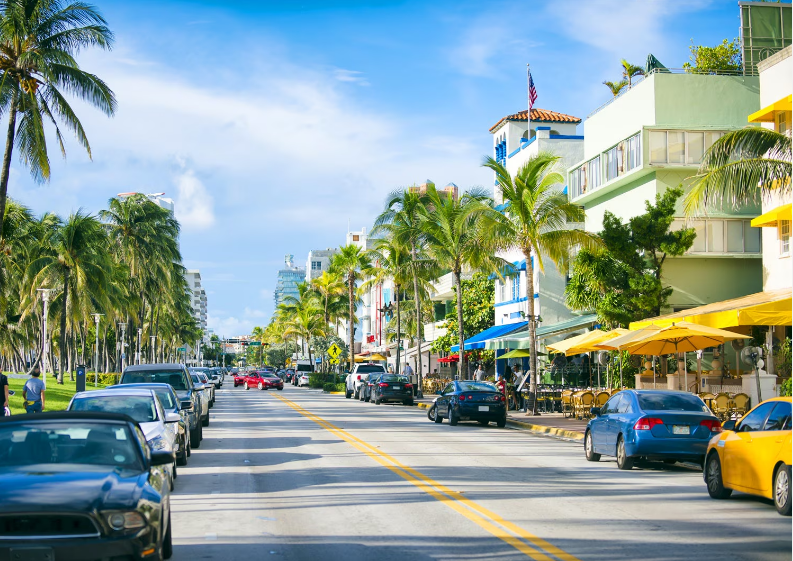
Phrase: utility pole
[45,296]
[96,351]
[151,350]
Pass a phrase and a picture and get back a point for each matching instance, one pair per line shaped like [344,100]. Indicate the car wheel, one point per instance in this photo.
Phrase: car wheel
[782,490]
[181,459]
[453,420]
[483,423]
[347,394]
[377,401]
[205,422]
[431,412]
[172,482]
[261,386]
[713,478]
[195,437]
[281,389]
[589,448]
[167,542]
[438,418]
[189,446]
[670,462]
[501,423]
[366,398]
[623,461]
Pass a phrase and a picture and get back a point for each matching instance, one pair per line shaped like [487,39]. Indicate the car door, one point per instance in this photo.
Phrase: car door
[621,419]
[599,426]
[739,469]
[443,400]
[768,444]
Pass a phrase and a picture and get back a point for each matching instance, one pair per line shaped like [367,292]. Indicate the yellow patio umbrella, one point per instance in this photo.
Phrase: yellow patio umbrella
[377,356]
[619,343]
[590,344]
[517,353]
[563,346]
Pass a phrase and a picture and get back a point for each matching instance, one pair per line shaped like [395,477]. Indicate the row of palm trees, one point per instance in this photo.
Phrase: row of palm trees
[123,263]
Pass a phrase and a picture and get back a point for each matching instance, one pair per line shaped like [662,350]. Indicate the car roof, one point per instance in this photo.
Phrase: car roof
[68,416]
[118,390]
[150,367]
[151,385]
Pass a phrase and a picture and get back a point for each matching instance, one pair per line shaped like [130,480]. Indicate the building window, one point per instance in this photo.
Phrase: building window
[502,290]
[782,126]
[784,237]
[681,147]
[594,173]
[316,265]
[516,286]
[721,236]
[355,237]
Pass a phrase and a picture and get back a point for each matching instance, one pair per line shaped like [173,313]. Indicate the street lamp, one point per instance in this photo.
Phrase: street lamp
[45,296]
[96,351]
[137,354]
[123,327]
[152,338]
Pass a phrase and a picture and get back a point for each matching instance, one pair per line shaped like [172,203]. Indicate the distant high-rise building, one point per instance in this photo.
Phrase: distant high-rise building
[287,280]
[450,190]
[198,299]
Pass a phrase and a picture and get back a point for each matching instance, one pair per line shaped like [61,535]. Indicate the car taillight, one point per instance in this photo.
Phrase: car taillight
[713,424]
[408,385]
[647,423]
[383,385]
[462,398]
[359,376]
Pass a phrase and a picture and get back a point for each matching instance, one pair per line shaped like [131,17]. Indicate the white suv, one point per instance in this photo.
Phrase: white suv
[360,374]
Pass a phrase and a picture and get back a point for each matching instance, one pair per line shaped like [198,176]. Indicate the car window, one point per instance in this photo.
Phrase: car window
[141,408]
[369,368]
[476,387]
[166,398]
[448,389]
[391,378]
[755,420]
[625,405]
[611,405]
[671,402]
[779,419]
[175,378]
[72,442]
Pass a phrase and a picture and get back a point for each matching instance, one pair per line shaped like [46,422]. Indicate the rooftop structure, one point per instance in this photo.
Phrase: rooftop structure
[287,280]
[318,261]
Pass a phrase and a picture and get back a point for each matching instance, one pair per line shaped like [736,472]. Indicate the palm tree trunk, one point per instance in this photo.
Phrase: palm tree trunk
[62,346]
[351,334]
[399,327]
[532,330]
[460,331]
[12,124]
[419,390]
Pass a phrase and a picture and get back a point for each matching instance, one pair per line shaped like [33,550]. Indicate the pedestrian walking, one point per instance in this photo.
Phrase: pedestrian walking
[408,371]
[33,392]
[480,373]
[4,390]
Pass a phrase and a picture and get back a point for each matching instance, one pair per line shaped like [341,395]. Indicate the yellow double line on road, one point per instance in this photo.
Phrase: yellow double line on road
[510,533]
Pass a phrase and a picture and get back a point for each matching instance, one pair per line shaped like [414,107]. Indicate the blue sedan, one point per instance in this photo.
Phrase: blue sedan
[471,401]
[650,424]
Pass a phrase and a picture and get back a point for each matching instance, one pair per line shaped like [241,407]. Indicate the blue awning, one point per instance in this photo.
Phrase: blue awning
[509,270]
[478,341]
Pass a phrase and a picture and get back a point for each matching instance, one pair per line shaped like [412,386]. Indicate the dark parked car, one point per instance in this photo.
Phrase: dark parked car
[176,375]
[471,401]
[391,387]
[650,424]
[82,486]
[290,373]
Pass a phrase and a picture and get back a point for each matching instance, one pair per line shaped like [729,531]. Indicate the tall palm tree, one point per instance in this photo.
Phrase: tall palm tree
[328,287]
[76,260]
[352,263]
[307,323]
[741,167]
[39,40]
[629,71]
[616,87]
[456,238]
[535,220]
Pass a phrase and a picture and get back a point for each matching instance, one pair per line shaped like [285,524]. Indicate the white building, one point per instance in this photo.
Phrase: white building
[776,85]
[317,262]
[198,299]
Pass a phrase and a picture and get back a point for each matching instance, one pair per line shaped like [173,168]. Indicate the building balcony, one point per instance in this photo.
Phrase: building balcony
[443,288]
[434,330]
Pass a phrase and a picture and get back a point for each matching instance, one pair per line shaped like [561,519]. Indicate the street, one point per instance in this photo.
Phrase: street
[299,474]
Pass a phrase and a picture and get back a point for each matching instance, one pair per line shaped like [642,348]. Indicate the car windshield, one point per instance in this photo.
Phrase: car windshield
[174,377]
[68,442]
[671,402]
[392,378]
[270,375]
[369,368]
[196,379]
[166,398]
[476,387]
[139,407]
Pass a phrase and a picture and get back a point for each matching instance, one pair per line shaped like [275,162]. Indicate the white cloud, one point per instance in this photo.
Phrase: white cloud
[251,313]
[352,76]
[194,204]
[229,326]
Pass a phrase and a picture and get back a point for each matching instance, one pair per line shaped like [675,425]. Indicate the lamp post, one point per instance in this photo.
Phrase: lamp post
[96,351]
[152,338]
[45,296]
[123,327]
[137,354]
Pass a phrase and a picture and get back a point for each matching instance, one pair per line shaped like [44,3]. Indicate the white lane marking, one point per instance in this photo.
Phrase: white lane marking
[210,537]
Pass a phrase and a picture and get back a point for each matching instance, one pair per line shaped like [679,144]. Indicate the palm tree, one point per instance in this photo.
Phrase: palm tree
[38,42]
[76,260]
[352,263]
[455,237]
[328,287]
[535,221]
[616,87]
[307,323]
[741,167]
[629,71]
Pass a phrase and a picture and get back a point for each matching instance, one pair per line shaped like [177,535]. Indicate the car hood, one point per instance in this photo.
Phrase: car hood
[63,489]
[152,430]
[184,395]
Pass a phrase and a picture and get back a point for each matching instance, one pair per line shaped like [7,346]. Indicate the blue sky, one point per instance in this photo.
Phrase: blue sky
[275,124]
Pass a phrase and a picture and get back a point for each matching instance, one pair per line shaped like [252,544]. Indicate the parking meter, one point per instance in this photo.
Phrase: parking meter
[81,377]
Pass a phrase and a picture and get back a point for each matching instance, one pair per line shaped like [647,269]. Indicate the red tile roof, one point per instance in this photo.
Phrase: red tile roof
[540,115]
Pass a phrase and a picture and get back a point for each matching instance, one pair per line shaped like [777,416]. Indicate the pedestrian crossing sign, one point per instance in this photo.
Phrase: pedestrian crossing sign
[334,361]
[333,352]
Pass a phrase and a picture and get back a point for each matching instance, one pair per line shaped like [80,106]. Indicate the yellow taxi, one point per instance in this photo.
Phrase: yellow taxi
[753,455]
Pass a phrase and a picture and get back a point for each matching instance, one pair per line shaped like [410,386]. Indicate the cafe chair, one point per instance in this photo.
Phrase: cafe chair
[721,406]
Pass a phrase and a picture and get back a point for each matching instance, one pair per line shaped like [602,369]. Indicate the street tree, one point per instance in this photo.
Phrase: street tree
[353,263]
[724,57]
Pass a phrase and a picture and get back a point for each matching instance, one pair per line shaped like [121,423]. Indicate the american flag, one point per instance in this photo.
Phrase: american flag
[532,92]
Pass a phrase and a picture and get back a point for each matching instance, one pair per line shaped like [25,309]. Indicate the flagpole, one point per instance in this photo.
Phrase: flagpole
[528,99]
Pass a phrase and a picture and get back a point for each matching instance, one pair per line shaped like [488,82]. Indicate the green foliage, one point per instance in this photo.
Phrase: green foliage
[623,281]
[478,301]
[279,352]
[711,60]
[782,359]
[786,389]
[333,387]
[316,380]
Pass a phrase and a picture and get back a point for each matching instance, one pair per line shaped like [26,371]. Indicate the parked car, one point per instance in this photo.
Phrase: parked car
[170,403]
[216,375]
[365,393]
[191,397]
[391,387]
[204,398]
[359,375]
[754,455]
[143,405]
[302,378]
[651,424]
[302,367]
[209,387]
[471,401]
[82,486]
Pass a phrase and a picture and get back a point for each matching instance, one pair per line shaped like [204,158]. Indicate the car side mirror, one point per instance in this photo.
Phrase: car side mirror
[728,425]
[162,457]
[172,417]
[186,405]
[595,411]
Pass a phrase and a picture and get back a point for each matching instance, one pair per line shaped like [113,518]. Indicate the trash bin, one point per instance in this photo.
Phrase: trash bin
[81,377]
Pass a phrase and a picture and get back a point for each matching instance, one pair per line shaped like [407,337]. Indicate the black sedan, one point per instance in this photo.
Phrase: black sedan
[471,401]
[391,387]
[81,486]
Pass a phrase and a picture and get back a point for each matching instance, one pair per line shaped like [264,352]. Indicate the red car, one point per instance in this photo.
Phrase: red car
[263,381]
[239,378]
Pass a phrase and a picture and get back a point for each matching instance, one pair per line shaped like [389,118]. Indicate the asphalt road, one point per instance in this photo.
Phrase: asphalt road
[301,475]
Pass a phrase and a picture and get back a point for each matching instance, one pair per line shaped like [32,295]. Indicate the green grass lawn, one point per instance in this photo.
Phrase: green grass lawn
[56,398]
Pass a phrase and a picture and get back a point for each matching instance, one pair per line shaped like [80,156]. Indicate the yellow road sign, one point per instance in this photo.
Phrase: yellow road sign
[334,361]
[334,351]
